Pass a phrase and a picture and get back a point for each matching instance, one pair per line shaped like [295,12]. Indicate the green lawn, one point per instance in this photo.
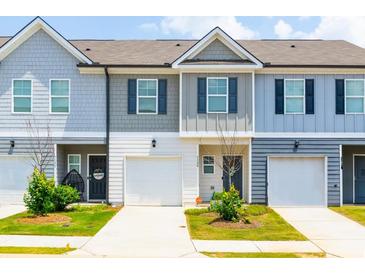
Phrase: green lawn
[85,221]
[33,250]
[355,213]
[263,255]
[273,228]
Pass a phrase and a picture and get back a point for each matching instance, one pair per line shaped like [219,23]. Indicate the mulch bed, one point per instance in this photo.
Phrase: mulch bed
[48,219]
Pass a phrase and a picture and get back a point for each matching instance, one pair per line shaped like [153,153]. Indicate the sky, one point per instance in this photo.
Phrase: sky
[189,27]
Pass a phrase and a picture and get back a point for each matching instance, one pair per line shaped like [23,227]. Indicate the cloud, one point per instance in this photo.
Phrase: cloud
[284,30]
[197,27]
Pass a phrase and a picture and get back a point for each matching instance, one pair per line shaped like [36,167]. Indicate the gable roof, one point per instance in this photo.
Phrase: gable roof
[35,25]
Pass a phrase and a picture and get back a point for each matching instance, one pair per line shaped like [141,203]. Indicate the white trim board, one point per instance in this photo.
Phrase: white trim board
[302,135]
[55,134]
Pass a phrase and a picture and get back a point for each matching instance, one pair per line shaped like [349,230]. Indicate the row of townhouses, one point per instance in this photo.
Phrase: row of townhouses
[148,116]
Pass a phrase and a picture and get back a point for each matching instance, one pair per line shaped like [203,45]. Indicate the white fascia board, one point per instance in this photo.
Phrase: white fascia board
[55,134]
[215,134]
[218,67]
[32,28]
[223,37]
[299,135]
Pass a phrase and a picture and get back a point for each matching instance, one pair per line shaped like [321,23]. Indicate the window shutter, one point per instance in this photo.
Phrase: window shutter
[132,96]
[309,96]
[202,95]
[232,95]
[162,96]
[340,96]
[279,96]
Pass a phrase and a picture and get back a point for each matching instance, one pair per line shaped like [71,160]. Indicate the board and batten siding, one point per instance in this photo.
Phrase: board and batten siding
[121,147]
[324,118]
[216,50]
[41,58]
[264,147]
[193,121]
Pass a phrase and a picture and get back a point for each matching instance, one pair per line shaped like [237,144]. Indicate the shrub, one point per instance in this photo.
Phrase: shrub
[38,198]
[63,196]
[217,196]
[229,206]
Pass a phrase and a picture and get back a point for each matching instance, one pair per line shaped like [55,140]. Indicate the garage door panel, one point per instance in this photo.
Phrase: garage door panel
[297,181]
[153,181]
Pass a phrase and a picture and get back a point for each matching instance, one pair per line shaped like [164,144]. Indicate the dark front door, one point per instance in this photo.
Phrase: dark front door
[236,179]
[97,177]
[360,179]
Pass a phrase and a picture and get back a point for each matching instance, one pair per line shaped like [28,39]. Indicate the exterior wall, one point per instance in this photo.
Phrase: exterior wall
[138,145]
[324,119]
[121,121]
[41,58]
[263,147]
[194,121]
[216,50]
[210,183]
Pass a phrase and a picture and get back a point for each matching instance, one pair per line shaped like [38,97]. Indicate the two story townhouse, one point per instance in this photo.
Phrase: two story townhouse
[143,121]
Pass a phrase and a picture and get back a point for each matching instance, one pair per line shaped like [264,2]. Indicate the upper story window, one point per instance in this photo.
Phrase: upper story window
[147,96]
[354,96]
[217,93]
[22,96]
[208,165]
[60,96]
[74,162]
[294,91]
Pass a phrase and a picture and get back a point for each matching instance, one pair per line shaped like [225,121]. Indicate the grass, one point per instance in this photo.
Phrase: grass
[33,250]
[355,213]
[263,255]
[273,228]
[85,221]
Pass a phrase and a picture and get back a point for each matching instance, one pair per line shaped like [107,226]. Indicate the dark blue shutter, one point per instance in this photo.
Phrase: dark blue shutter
[132,96]
[309,96]
[232,95]
[279,96]
[202,95]
[340,96]
[162,96]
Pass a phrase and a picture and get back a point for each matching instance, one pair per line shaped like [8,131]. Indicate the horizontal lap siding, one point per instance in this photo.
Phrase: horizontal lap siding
[120,147]
[261,148]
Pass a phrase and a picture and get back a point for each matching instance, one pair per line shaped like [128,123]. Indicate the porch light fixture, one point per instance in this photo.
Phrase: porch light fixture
[296,144]
[12,143]
[154,143]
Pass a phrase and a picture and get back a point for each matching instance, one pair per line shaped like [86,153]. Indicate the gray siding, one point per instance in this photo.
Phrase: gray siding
[40,58]
[324,119]
[261,148]
[192,121]
[121,121]
[216,50]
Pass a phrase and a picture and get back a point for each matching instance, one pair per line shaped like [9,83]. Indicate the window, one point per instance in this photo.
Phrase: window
[354,92]
[217,93]
[22,96]
[294,96]
[74,162]
[208,164]
[147,96]
[60,96]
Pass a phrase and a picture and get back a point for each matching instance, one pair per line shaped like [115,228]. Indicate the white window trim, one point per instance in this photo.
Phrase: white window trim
[21,96]
[217,95]
[203,165]
[59,96]
[294,96]
[352,96]
[68,162]
[147,96]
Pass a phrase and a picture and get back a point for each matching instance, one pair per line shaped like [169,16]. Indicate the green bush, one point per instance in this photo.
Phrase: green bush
[229,206]
[196,211]
[256,210]
[217,196]
[38,198]
[63,196]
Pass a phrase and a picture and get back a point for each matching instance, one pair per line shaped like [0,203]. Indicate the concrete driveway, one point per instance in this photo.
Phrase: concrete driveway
[330,231]
[8,210]
[143,232]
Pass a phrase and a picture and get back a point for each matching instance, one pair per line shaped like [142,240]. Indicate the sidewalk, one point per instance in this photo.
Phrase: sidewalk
[42,241]
[255,246]
[8,210]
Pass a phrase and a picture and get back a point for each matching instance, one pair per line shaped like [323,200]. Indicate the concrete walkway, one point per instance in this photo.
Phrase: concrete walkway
[256,246]
[42,241]
[8,210]
[332,232]
[142,232]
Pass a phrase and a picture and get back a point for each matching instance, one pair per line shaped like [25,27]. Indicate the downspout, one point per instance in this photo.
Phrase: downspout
[107,89]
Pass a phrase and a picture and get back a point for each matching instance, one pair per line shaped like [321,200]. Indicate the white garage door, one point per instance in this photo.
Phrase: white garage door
[297,181]
[153,181]
[14,173]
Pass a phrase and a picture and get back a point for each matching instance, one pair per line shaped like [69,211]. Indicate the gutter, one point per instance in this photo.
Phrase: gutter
[107,88]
